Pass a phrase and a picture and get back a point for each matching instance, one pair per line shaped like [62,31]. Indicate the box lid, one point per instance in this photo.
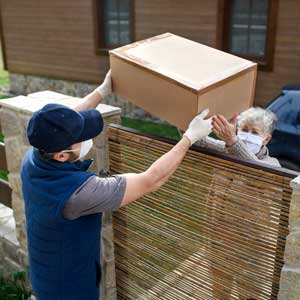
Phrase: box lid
[190,64]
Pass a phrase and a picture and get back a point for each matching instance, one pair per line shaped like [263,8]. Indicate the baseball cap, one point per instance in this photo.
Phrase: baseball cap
[56,127]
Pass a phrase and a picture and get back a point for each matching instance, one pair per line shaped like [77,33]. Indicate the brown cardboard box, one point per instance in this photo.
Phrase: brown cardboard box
[175,78]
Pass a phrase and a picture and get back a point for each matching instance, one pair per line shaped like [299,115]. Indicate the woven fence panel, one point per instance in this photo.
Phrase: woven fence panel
[216,230]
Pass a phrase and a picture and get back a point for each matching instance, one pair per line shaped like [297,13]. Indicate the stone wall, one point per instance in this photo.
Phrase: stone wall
[27,84]
[14,117]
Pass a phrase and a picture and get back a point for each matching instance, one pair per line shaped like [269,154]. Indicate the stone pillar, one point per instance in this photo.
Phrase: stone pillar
[14,117]
[108,290]
[290,274]
[12,123]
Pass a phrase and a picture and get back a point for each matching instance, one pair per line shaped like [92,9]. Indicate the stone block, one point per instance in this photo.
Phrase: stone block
[10,250]
[292,253]
[295,183]
[18,84]
[35,84]
[113,120]
[18,206]
[21,235]
[101,140]
[22,258]
[294,217]
[10,122]
[69,88]
[82,89]
[102,159]
[58,86]
[9,266]
[13,153]
[14,180]
[110,274]
[289,284]
[24,120]
[111,294]
[92,155]
[107,219]
[19,215]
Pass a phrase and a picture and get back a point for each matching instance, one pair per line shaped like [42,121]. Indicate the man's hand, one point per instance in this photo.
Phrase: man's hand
[93,99]
[199,128]
[105,89]
[224,130]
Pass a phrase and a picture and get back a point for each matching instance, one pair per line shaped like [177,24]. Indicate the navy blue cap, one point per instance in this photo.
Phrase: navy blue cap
[56,127]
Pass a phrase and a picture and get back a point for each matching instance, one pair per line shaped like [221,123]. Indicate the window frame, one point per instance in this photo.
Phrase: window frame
[224,13]
[100,47]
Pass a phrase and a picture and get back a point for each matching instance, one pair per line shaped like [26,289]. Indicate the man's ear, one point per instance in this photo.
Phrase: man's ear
[61,156]
[267,139]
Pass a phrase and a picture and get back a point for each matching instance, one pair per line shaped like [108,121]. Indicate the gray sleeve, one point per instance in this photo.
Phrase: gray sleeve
[211,143]
[95,195]
[240,150]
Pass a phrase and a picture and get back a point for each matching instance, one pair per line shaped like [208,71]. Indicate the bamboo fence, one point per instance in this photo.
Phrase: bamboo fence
[216,230]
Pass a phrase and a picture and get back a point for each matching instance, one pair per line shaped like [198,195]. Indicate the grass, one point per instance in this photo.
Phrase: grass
[4,78]
[3,173]
[4,176]
[2,97]
[14,288]
[164,130]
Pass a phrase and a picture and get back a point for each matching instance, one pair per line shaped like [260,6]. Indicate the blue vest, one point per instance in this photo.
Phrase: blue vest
[63,255]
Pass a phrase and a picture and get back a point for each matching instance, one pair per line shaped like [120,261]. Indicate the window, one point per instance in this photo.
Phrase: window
[249,29]
[114,24]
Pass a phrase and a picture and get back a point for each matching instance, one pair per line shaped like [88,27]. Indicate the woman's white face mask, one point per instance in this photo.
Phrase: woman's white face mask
[253,142]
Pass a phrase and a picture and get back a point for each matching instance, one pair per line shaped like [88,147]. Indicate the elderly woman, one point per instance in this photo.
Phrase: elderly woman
[245,137]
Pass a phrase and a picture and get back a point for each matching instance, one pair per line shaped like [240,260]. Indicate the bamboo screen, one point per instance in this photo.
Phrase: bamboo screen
[216,230]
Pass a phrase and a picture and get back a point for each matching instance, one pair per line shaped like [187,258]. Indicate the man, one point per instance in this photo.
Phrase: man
[64,202]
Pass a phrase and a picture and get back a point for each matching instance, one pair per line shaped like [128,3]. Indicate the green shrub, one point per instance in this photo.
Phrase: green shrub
[14,287]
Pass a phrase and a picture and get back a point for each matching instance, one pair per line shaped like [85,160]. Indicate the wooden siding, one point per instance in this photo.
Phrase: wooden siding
[56,38]
[52,38]
[193,19]
[287,54]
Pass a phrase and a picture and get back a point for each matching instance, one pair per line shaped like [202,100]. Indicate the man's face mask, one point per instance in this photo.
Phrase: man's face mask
[253,142]
[85,148]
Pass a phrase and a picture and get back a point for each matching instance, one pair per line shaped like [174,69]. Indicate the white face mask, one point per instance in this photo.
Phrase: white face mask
[86,146]
[253,142]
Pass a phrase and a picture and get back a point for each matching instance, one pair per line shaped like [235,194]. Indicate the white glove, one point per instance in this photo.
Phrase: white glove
[105,89]
[199,128]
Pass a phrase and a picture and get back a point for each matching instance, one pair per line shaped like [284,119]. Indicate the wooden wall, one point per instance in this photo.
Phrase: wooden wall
[194,19]
[52,38]
[287,54]
[56,38]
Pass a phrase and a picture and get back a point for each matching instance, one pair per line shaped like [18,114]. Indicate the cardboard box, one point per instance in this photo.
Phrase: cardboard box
[175,78]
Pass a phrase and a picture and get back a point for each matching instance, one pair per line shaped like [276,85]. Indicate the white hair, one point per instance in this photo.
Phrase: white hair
[263,118]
